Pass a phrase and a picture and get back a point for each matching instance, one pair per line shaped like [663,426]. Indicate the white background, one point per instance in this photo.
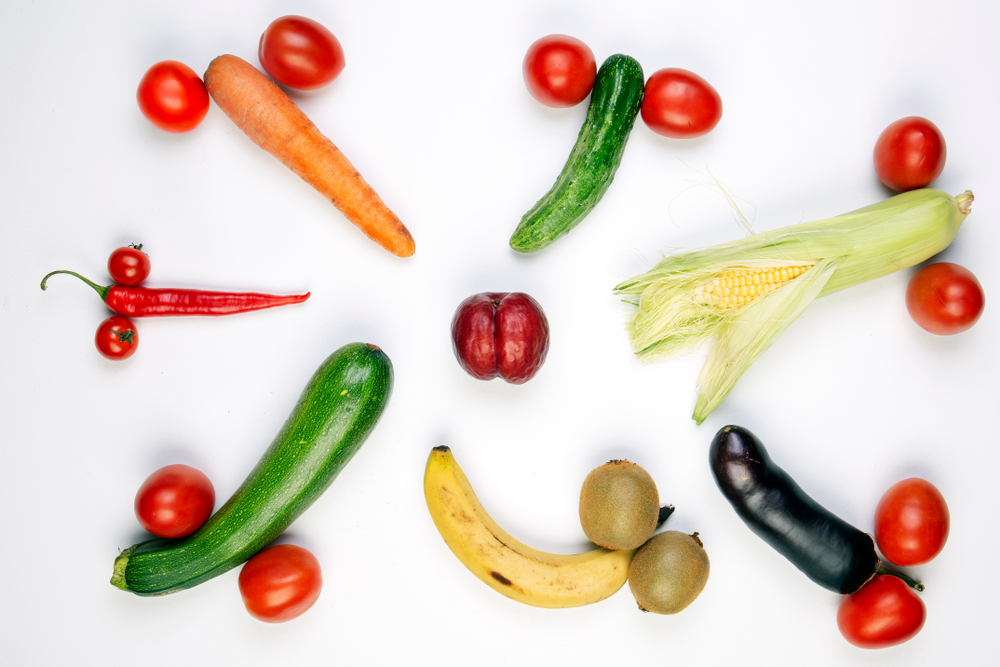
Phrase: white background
[432,110]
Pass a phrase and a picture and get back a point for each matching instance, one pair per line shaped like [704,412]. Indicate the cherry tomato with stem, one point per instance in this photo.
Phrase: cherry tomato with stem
[945,298]
[909,154]
[128,265]
[116,338]
[680,104]
[280,583]
[174,501]
[172,97]
[559,70]
[911,522]
[300,53]
[884,612]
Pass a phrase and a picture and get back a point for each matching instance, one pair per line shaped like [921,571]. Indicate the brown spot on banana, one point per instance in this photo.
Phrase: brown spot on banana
[502,579]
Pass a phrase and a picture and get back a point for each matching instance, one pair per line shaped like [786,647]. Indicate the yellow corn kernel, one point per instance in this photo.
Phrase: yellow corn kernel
[738,287]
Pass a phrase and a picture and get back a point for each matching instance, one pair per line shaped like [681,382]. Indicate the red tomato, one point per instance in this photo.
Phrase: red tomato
[680,104]
[911,522]
[129,265]
[280,583]
[174,501]
[559,70]
[300,53]
[945,298]
[909,154]
[172,97]
[116,338]
[885,612]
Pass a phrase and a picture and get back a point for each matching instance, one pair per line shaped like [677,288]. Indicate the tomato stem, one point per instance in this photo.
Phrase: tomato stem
[909,581]
[126,336]
[103,291]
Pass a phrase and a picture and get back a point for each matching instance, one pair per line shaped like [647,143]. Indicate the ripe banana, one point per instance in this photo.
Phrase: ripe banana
[514,569]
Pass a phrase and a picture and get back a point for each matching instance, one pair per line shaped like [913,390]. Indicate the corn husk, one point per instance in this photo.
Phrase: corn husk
[672,314]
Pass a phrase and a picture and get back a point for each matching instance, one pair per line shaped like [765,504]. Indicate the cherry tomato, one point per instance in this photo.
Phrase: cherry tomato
[680,104]
[116,338]
[945,298]
[280,583]
[559,70]
[911,522]
[885,612]
[300,53]
[128,265]
[172,97]
[909,154]
[174,501]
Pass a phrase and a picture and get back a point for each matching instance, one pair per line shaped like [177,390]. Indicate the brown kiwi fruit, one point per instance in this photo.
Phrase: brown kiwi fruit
[668,572]
[619,505]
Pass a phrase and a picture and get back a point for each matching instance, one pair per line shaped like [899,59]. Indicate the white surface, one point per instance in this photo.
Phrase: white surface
[432,110]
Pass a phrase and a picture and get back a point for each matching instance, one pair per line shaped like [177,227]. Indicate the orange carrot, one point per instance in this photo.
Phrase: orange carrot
[273,122]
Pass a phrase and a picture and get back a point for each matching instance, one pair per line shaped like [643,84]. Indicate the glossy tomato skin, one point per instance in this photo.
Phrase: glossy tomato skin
[559,70]
[910,154]
[174,501]
[300,53]
[680,104]
[116,338]
[280,583]
[172,97]
[945,298]
[128,265]
[884,612]
[911,522]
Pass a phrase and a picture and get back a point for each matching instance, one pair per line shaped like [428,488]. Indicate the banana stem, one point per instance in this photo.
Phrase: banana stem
[665,513]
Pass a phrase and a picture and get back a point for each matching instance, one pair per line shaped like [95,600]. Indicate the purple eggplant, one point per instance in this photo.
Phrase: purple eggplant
[830,551]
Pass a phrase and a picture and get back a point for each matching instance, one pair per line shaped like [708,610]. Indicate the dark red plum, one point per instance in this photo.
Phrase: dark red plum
[500,334]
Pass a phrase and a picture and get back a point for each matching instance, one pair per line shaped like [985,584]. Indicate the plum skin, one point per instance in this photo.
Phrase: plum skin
[500,334]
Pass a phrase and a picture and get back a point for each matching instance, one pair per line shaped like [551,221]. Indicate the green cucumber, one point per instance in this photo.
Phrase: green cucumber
[335,414]
[614,104]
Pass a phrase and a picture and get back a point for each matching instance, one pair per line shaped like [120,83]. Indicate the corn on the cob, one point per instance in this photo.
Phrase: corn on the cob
[742,295]
[740,286]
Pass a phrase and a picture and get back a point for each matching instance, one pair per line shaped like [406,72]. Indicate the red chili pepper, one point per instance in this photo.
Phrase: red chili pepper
[146,302]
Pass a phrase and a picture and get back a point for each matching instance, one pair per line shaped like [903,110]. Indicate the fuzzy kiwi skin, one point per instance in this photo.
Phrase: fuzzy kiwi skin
[619,505]
[668,572]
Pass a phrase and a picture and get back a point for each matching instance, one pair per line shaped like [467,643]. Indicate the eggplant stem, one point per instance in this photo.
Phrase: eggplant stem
[909,581]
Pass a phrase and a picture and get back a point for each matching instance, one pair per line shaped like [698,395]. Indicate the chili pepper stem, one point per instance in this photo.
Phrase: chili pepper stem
[909,581]
[101,290]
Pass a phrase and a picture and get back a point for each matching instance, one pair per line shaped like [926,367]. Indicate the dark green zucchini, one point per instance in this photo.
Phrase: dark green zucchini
[335,414]
[592,164]
[830,551]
